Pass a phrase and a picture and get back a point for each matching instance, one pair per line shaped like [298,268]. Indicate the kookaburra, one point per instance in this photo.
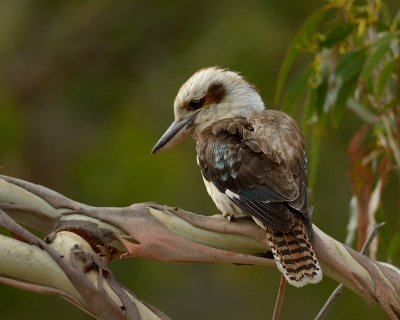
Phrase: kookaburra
[252,161]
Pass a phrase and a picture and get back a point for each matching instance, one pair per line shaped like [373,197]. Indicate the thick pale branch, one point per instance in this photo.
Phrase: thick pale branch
[336,293]
[67,267]
[171,234]
[29,267]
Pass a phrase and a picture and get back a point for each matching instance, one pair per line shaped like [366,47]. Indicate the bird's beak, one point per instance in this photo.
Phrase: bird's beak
[176,132]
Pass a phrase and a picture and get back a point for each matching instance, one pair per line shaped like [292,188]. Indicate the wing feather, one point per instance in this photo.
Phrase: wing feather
[259,164]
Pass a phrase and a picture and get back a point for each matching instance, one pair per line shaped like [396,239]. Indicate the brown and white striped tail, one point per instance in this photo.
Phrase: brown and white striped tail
[294,255]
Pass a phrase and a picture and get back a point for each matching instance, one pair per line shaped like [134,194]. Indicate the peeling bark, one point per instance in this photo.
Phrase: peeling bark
[161,233]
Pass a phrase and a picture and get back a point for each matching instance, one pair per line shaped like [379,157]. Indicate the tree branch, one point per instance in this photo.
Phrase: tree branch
[171,234]
[338,291]
[67,267]
[279,298]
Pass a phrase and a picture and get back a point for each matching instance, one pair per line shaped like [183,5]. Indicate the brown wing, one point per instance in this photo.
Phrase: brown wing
[279,137]
[243,160]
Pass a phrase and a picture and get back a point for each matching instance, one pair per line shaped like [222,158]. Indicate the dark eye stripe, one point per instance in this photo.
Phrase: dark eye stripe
[215,94]
[196,104]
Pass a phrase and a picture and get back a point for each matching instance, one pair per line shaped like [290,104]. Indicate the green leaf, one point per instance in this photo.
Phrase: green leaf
[310,110]
[345,92]
[347,71]
[315,151]
[384,76]
[304,33]
[321,93]
[381,47]
[362,111]
[388,37]
[350,64]
[386,16]
[296,89]
[337,34]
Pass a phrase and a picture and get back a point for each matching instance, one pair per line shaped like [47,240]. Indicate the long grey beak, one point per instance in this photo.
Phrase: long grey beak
[176,132]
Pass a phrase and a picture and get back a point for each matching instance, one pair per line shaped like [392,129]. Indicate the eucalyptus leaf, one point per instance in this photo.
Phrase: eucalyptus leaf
[296,89]
[384,77]
[337,34]
[381,47]
[315,151]
[350,64]
[321,91]
[352,225]
[304,33]
[309,111]
[333,91]
[362,111]
[345,92]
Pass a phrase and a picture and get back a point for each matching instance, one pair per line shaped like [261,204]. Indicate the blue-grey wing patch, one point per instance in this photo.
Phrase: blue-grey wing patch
[261,184]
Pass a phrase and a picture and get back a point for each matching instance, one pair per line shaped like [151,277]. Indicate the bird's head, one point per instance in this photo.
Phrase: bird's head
[211,94]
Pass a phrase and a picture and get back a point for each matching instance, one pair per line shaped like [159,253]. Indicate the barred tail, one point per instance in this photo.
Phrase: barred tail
[294,255]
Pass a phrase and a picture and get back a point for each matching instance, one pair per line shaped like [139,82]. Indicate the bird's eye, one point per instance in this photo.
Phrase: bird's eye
[196,104]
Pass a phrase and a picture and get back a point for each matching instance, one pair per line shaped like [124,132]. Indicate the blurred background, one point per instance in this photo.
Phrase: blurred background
[87,88]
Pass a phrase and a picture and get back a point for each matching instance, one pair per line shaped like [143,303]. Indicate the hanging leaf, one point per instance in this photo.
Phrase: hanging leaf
[353,222]
[350,65]
[380,48]
[315,151]
[320,96]
[337,34]
[296,89]
[361,179]
[345,92]
[384,77]
[373,205]
[334,86]
[362,111]
[309,115]
[305,32]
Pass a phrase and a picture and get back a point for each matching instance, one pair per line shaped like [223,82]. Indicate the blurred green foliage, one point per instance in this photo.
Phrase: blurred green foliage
[86,88]
[353,61]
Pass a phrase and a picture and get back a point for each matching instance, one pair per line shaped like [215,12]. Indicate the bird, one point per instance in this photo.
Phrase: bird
[253,163]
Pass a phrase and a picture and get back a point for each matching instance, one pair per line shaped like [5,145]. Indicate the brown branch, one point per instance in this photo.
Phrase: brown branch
[339,289]
[171,234]
[279,298]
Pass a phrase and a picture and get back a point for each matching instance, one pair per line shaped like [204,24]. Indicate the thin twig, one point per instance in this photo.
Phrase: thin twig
[329,303]
[337,292]
[279,299]
[371,237]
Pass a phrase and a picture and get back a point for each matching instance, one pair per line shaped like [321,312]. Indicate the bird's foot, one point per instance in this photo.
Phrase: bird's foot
[230,217]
